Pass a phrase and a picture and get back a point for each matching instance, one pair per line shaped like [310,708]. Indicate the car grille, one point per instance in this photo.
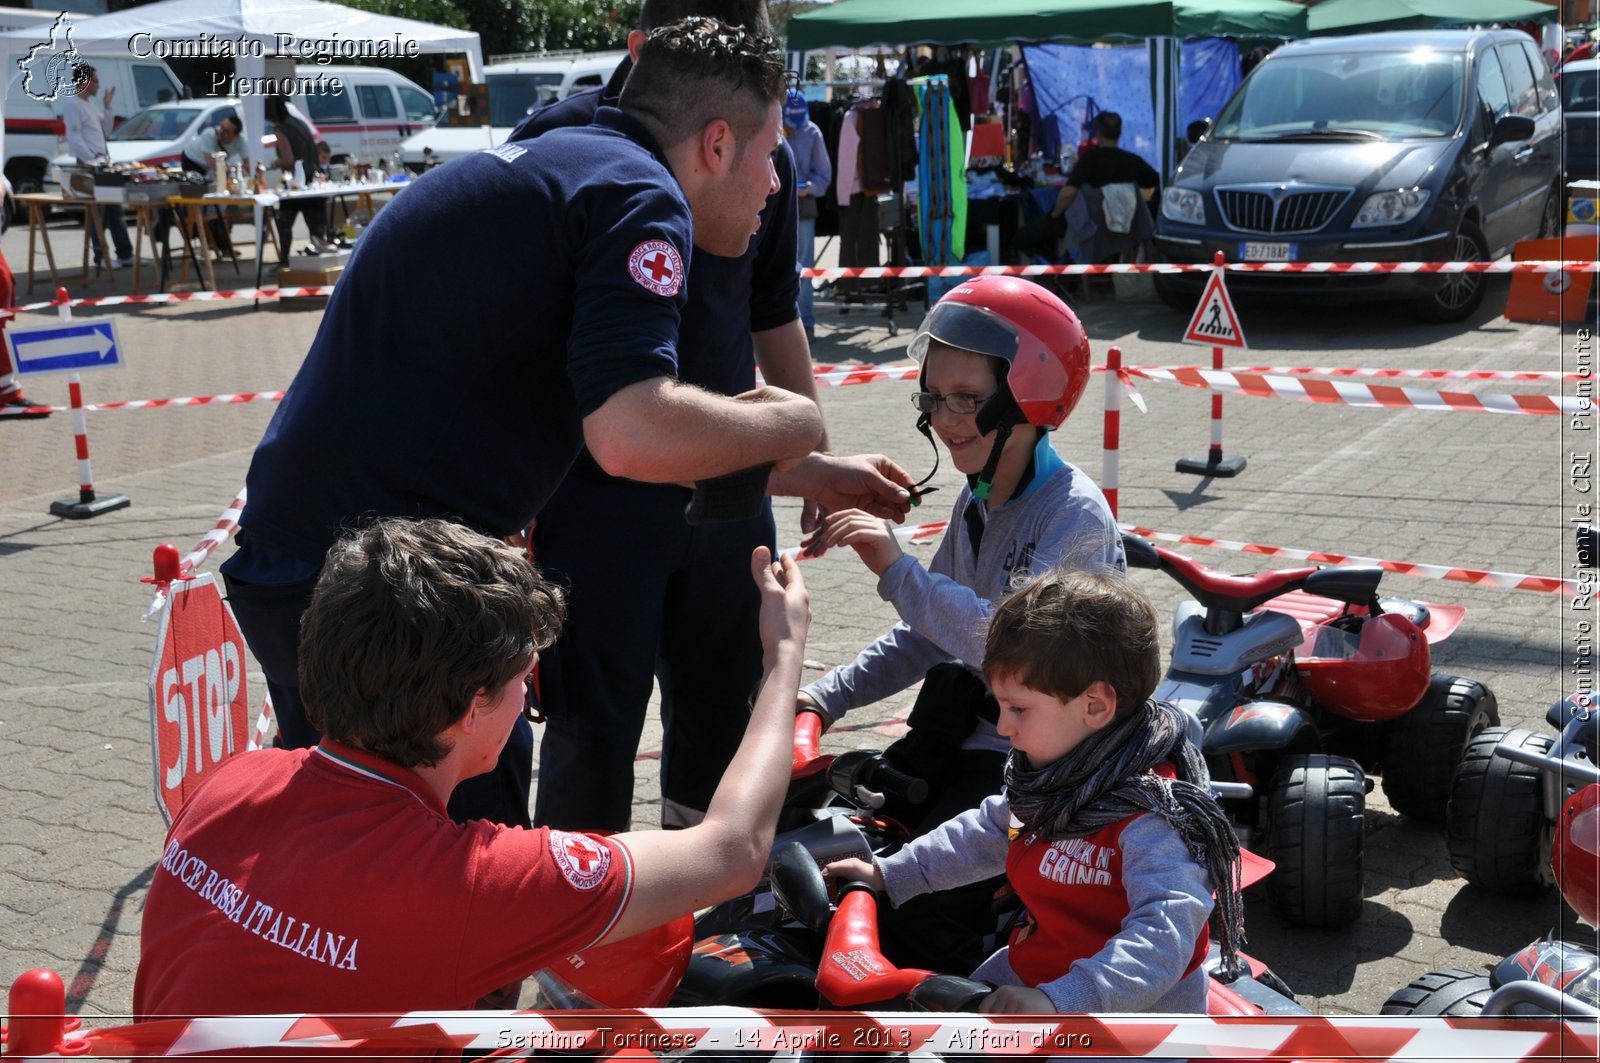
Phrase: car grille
[1258,211]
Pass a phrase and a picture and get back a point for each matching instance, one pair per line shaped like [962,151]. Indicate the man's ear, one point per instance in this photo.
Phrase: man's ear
[1100,708]
[717,147]
[469,722]
[636,39]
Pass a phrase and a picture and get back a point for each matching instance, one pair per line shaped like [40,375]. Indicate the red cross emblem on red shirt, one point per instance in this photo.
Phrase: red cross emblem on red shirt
[582,854]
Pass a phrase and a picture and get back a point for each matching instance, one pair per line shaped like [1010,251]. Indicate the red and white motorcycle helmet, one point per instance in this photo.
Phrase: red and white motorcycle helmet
[1575,856]
[1374,674]
[1033,331]
[637,972]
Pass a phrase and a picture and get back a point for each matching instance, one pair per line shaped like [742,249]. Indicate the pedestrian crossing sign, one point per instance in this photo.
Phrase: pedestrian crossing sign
[1214,323]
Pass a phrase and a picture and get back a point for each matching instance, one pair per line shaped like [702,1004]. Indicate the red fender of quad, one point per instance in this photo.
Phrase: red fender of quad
[853,973]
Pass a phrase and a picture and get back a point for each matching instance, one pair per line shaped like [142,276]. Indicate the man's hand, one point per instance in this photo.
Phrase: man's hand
[869,482]
[870,537]
[853,869]
[785,606]
[1016,1000]
[110,92]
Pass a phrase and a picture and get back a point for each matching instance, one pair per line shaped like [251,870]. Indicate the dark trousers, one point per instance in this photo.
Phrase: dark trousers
[315,212]
[951,931]
[649,596]
[269,618]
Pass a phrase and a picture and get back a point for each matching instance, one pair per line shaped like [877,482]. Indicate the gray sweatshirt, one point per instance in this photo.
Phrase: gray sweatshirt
[1061,518]
[1141,969]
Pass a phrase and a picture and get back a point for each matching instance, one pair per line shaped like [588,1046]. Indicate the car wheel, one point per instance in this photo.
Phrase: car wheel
[1461,293]
[1550,217]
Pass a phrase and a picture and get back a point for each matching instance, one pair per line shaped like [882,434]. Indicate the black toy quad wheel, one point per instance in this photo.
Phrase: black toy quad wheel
[1448,992]
[1424,746]
[1314,835]
[1496,829]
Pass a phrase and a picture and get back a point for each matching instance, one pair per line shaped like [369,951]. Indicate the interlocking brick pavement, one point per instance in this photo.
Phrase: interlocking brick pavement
[80,833]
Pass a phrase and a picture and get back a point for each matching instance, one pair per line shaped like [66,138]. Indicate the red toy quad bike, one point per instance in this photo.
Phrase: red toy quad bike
[1304,682]
[1554,975]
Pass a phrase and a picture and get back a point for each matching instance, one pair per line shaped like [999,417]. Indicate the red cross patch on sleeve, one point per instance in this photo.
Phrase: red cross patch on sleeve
[583,860]
[657,266]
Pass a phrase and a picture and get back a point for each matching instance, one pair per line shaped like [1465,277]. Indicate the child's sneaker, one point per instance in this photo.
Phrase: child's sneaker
[16,404]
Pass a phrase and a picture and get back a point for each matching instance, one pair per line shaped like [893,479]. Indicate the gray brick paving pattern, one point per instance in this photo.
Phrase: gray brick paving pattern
[79,831]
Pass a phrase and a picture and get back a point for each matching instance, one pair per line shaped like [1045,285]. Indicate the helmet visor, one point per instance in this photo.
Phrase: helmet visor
[1035,373]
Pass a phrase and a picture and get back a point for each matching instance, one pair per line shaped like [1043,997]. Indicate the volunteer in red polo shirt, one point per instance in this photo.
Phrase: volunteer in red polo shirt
[330,879]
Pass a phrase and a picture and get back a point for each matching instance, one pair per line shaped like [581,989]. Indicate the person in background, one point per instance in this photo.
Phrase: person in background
[297,144]
[88,122]
[813,175]
[13,403]
[225,137]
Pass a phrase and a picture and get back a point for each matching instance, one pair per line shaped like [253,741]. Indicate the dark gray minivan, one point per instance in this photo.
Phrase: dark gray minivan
[1426,146]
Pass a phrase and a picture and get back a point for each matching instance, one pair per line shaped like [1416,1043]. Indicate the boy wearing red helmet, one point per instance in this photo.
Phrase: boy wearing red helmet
[1003,362]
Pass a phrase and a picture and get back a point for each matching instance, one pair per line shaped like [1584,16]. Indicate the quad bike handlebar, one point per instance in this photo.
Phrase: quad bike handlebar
[865,777]
[1354,585]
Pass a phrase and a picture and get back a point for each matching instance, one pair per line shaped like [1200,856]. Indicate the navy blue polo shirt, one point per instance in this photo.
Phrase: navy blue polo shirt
[491,306]
[729,298]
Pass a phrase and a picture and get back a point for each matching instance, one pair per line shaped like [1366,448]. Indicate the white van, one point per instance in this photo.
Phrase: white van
[35,132]
[376,110]
[518,85]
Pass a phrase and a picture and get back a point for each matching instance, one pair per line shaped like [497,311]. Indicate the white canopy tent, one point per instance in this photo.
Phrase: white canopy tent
[251,32]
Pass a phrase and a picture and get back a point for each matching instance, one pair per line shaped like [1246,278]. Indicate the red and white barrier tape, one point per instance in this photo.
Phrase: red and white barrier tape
[152,298]
[872,272]
[1408,374]
[645,1032]
[869,272]
[842,376]
[1511,581]
[1368,395]
[227,524]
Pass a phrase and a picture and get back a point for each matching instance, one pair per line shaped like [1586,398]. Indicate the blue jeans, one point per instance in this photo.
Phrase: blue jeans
[806,242]
[111,218]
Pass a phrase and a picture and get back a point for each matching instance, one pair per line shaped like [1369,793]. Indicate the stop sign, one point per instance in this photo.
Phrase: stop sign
[199,712]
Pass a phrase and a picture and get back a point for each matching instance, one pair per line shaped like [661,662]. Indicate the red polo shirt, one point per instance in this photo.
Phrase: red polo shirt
[330,880]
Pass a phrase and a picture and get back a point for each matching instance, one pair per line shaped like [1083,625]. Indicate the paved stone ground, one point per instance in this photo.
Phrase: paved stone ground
[79,832]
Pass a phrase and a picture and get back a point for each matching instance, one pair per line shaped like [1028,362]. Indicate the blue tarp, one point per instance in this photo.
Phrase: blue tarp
[1072,83]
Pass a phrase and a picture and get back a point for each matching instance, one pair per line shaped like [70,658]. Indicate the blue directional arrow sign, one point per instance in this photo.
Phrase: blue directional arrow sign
[65,348]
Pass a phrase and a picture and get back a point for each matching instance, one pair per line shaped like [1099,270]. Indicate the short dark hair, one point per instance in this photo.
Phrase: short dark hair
[233,120]
[1068,628]
[409,621]
[697,70]
[1109,125]
[749,15]
[276,107]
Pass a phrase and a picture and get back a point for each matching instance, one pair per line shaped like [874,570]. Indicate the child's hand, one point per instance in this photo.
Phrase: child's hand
[1016,1000]
[853,869]
[871,538]
[785,606]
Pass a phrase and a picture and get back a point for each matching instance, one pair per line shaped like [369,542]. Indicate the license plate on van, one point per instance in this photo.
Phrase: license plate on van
[1256,251]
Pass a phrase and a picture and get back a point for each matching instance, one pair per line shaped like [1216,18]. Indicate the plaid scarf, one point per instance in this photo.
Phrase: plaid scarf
[1108,777]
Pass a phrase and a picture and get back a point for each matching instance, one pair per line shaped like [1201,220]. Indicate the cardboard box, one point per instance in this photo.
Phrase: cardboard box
[334,260]
[307,278]
[1583,202]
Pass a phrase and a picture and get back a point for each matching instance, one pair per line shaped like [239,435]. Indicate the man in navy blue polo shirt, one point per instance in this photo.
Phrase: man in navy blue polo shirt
[510,309]
[692,619]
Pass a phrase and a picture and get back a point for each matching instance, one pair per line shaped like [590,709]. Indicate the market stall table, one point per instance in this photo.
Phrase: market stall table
[263,206]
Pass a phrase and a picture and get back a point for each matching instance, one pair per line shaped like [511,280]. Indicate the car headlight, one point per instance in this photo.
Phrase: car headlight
[1391,208]
[1185,205]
